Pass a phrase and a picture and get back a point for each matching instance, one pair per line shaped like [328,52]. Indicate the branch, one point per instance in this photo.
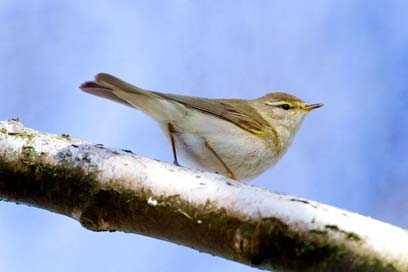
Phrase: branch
[107,189]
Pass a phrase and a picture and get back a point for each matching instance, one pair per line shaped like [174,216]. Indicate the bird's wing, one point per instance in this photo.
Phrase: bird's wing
[235,111]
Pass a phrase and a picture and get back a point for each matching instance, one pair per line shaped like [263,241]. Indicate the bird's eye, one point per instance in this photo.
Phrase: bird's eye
[285,106]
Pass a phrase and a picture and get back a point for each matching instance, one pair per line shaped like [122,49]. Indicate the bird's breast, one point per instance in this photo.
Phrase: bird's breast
[246,155]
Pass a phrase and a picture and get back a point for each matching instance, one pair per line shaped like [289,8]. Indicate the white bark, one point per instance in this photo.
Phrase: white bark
[108,189]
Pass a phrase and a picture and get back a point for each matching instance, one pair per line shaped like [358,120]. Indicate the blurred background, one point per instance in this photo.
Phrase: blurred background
[350,55]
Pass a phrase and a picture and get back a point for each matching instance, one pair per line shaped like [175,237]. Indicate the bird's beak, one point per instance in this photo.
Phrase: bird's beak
[312,107]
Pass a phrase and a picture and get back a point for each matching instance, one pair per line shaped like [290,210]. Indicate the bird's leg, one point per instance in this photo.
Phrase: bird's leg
[229,172]
[172,130]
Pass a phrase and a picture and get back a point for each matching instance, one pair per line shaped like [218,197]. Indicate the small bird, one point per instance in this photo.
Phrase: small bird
[237,138]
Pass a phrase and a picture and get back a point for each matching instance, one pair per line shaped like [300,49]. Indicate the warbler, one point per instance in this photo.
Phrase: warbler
[237,138]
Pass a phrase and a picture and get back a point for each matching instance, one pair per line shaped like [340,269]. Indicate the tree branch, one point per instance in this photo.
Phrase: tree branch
[107,189]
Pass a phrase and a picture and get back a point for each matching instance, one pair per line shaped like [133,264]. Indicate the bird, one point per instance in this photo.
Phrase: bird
[237,138]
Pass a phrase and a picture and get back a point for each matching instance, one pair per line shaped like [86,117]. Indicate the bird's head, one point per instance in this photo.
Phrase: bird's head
[283,110]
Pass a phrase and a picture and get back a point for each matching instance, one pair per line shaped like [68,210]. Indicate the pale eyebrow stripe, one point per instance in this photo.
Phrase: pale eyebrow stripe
[275,103]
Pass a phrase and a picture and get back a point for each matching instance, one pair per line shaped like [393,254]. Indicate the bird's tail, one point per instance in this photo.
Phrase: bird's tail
[113,88]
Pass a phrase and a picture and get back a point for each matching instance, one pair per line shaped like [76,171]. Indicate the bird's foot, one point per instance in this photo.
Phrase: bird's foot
[176,163]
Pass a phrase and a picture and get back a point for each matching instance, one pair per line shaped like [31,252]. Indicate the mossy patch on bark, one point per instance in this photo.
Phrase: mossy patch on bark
[57,188]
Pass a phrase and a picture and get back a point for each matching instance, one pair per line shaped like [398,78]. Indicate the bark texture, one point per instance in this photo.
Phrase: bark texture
[110,190]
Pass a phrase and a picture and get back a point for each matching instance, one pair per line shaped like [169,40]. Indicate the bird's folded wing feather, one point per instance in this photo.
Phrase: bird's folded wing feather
[232,110]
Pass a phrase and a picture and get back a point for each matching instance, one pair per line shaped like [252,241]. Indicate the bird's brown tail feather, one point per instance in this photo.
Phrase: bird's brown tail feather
[97,89]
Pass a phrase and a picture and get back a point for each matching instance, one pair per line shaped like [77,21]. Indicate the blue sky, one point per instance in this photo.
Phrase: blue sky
[350,55]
